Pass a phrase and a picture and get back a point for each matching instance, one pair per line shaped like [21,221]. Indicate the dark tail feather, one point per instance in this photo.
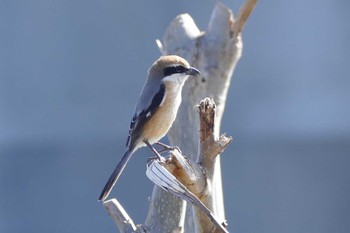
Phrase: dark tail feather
[115,175]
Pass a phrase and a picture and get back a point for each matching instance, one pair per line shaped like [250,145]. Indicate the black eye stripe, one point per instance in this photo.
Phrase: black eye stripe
[173,70]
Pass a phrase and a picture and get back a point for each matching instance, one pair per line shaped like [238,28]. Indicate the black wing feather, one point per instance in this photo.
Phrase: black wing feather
[138,121]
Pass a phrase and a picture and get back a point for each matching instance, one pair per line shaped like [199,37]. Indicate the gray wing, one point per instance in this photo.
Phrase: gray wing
[148,103]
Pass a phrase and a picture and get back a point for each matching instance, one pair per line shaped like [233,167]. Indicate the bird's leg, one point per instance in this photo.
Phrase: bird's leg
[155,152]
[167,147]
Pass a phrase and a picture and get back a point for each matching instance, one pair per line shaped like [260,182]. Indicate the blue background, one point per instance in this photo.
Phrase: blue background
[71,72]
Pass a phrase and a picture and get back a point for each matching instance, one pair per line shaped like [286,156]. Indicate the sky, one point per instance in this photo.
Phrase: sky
[71,72]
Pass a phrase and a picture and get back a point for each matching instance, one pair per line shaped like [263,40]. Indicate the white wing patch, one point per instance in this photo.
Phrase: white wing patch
[163,100]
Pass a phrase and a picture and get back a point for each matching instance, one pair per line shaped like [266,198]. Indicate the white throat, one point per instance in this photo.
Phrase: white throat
[177,78]
[174,84]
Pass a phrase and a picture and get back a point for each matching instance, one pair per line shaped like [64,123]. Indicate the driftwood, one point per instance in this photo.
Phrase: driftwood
[215,53]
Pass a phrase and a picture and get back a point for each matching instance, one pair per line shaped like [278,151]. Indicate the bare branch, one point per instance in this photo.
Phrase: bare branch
[210,145]
[243,16]
[121,217]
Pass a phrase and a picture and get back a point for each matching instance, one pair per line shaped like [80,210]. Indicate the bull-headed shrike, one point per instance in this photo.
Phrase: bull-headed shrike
[155,111]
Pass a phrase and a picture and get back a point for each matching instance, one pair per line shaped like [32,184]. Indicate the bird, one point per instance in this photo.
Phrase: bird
[155,110]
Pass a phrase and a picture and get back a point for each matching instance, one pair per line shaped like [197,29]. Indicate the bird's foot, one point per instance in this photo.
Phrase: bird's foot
[167,147]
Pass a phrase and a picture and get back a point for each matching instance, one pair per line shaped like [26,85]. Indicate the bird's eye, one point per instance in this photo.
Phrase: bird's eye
[174,69]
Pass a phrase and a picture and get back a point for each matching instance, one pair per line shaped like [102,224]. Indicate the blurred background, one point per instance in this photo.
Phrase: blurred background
[71,72]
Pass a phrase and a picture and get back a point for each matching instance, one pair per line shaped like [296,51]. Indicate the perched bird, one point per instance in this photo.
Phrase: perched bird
[156,109]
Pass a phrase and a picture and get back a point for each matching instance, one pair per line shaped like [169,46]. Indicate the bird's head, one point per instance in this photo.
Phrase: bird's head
[171,68]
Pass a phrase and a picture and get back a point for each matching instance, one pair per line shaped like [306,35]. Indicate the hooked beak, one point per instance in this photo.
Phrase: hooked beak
[192,71]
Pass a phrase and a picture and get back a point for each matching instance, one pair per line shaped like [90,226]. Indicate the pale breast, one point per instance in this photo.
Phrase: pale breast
[161,121]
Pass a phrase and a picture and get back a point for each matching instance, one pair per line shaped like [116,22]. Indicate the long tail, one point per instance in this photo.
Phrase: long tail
[115,175]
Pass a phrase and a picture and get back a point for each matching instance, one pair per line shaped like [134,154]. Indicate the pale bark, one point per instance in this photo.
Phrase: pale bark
[121,217]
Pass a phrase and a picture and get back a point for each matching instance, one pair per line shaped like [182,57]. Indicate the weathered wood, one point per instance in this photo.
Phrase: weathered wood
[209,148]
[121,217]
[158,173]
